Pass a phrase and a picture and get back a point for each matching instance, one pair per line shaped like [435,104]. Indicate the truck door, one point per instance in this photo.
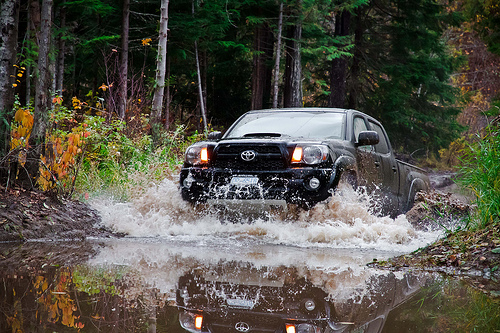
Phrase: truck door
[371,176]
[386,162]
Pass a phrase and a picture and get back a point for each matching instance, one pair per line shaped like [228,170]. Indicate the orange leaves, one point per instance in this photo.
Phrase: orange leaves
[57,301]
[146,41]
[57,100]
[61,158]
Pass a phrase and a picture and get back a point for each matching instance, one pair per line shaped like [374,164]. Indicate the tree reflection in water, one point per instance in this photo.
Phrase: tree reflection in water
[61,287]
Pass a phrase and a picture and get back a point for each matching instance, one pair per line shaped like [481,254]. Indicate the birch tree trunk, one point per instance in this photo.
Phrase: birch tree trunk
[9,20]
[278,58]
[161,64]
[122,93]
[200,87]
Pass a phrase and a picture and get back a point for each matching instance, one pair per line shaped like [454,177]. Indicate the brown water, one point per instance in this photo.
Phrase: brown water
[145,285]
[304,270]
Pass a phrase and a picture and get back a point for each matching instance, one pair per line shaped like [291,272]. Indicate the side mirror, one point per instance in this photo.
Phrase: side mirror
[214,136]
[367,138]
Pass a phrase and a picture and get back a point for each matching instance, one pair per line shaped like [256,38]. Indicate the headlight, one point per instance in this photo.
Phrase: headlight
[190,321]
[196,155]
[310,154]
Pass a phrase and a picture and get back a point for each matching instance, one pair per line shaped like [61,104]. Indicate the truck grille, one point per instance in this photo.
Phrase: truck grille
[267,158]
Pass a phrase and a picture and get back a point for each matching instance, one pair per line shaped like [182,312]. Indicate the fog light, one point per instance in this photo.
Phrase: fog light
[307,328]
[309,305]
[188,182]
[314,183]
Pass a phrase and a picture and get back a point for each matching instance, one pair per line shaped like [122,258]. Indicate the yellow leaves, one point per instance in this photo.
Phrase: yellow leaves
[146,41]
[103,87]
[77,104]
[62,159]
[14,85]
[20,133]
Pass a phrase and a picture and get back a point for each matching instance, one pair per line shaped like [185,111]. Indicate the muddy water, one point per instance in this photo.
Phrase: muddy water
[302,270]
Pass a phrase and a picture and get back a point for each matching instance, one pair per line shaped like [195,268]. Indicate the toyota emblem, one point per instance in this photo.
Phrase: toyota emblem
[242,327]
[248,155]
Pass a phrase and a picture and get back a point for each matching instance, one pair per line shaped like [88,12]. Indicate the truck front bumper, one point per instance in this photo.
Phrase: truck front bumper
[304,185]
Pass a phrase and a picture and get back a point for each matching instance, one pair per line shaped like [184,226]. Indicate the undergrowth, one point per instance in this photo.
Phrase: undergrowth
[480,172]
[87,154]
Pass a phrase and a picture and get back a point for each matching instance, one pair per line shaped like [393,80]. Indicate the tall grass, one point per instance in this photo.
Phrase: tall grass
[480,172]
[123,167]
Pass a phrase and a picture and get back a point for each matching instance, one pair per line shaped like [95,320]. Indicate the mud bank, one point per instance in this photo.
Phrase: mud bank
[28,215]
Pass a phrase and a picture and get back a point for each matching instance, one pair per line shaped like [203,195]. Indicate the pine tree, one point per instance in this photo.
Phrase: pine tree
[404,72]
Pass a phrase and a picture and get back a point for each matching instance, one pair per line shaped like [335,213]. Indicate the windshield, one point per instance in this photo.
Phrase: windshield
[313,125]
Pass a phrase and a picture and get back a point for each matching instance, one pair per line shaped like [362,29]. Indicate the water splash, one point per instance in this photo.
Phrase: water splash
[346,220]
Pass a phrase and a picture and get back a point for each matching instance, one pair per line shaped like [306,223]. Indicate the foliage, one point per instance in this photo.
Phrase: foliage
[485,18]
[64,142]
[450,157]
[55,300]
[405,81]
[480,172]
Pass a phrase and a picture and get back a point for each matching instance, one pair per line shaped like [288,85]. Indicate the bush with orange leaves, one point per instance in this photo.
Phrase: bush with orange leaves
[64,143]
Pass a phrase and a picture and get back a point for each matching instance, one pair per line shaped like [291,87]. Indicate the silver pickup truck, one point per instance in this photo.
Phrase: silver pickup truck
[298,156]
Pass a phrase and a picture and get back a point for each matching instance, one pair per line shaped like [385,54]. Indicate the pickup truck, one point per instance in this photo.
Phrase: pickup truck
[298,156]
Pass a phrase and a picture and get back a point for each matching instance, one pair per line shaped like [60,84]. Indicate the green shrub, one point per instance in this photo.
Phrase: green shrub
[480,172]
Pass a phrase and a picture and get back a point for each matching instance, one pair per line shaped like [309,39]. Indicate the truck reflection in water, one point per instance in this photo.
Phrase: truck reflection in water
[216,303]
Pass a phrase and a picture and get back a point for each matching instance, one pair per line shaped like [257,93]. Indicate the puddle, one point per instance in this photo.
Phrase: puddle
[153,285]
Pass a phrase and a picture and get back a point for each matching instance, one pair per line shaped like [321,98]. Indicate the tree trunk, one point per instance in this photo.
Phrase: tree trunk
[33,27]
[122,93]
[200,89]
[293,68]
[167,97]
[161,62]
[61,55]
[37,138]
[9,20]
[338,71]
[353,85]
[262,74]
[278,58]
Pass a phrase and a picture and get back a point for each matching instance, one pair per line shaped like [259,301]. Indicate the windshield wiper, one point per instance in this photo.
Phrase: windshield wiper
[255,135]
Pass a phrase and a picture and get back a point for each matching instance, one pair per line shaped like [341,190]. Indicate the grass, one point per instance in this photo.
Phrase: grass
[124,167]
[480,172]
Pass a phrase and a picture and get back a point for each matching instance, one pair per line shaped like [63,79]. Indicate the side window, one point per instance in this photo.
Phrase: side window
[382,146]
[359,126]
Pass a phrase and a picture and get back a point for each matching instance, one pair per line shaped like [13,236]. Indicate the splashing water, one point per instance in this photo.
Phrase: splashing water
[344,221]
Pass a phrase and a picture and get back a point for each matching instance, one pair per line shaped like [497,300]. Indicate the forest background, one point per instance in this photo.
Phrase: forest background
[106,94]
